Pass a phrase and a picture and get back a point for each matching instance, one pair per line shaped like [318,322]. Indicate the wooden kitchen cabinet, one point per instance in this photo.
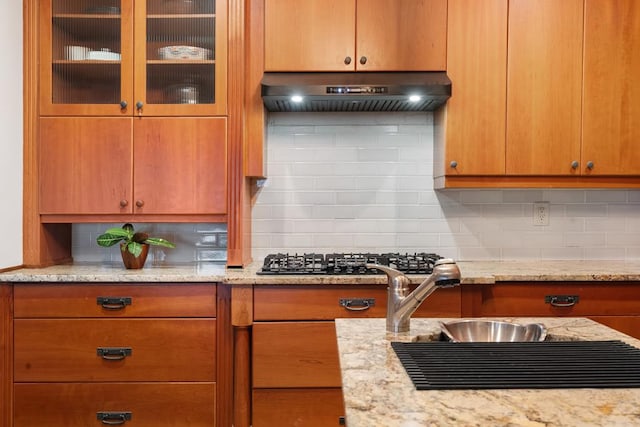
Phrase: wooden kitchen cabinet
[117,58]
[295,355]
[64,374]
[470,136]
[611,303]
[611,106]
[355,35]
[132,166]
[544,87]
[552,127]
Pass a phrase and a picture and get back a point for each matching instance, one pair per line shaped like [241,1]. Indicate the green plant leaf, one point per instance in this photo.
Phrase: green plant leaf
[109,239]
[159,242]
[134,248]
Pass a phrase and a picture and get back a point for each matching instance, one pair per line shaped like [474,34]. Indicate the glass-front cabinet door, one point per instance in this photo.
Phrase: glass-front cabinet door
[133,57]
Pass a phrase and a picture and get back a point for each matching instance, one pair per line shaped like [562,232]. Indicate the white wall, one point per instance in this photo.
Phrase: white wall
[364,182]
[11,131]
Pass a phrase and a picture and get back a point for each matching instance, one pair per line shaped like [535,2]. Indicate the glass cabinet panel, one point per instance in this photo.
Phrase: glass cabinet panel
[133,57]
[86,46]
[180,63]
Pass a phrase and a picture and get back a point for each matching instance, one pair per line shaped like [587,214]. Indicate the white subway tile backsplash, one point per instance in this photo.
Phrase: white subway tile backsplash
[372,187]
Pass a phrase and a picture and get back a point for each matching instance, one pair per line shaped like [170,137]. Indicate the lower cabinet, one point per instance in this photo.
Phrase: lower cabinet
[94,404]
[614,304]
[93,354]
[296,376]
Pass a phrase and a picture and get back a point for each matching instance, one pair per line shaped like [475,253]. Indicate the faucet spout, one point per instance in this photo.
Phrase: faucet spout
[401,303]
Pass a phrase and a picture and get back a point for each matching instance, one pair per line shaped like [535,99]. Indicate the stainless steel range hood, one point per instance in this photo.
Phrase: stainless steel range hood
[349,91]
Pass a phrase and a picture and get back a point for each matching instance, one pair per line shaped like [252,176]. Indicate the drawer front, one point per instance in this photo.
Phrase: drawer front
[324,302]
[295,354]
[149,405]
[297,408]
[51,350]
[562,299]
[107,300]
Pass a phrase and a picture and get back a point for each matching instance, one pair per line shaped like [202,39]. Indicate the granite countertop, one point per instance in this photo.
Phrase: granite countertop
[473,272]
[378,391]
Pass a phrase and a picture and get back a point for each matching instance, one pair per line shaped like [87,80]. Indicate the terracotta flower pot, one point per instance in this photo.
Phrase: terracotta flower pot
[131,261]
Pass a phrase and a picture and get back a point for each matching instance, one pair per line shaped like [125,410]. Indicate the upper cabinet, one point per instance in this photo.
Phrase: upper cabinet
[474,117]
[545,94]
[544,87]
[133,57]
[355,35]
[611,108]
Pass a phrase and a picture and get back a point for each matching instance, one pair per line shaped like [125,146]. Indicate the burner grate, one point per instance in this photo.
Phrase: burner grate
[348,263]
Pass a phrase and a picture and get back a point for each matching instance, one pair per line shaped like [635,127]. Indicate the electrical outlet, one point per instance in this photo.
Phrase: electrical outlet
[541,213]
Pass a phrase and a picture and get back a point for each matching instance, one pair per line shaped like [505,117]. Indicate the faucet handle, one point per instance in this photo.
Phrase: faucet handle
[391,272]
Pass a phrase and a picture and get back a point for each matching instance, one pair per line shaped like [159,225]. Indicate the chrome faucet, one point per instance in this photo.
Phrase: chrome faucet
[401,304]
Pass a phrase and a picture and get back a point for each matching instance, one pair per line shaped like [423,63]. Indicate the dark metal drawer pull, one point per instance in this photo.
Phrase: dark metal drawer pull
[562,300]
[357,304]
[113,303]
[114,353]
[113,418]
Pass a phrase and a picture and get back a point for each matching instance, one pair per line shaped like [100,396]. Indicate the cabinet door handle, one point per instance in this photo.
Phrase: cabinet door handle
[139,203]
[113,418]
[347,60]
[113,303]
[589,165]
[139,105]
[357,304]
[363,60]
[123,104]
[575,164]
[114,353]
[123,203]
[562,300]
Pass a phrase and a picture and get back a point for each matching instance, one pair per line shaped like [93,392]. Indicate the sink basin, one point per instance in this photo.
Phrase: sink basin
[477,330]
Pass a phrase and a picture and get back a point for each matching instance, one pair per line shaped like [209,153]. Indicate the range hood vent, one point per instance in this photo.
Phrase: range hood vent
[351,92]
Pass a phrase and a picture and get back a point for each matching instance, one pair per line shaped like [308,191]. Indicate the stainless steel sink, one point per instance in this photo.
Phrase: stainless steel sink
[482,330]
[478,330]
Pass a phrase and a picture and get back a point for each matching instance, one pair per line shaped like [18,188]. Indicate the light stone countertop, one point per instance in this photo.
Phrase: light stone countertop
[473,272]
[379,393]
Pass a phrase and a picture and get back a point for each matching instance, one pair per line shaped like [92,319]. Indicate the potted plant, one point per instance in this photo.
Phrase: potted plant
[134,246]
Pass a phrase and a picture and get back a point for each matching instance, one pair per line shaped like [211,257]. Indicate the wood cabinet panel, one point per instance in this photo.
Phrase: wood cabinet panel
[151,405]
[85,165]
[544,87]
[295,354]
[355,35]
[162,166]
[323,302]
[528,299]
[474,119]
[309,35]
[180,165]
[6,355]
[611,107]
[297,407]
[406,36]
[50,350]
[146,300]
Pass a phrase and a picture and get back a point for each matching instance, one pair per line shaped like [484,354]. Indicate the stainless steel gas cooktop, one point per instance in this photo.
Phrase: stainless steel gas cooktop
[347,263]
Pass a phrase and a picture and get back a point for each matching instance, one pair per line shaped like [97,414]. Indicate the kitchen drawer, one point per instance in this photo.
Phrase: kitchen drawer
[321,407]
[295,354]
[323,302]
[140,300]
[50,350]
[150,405]
[547,299]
